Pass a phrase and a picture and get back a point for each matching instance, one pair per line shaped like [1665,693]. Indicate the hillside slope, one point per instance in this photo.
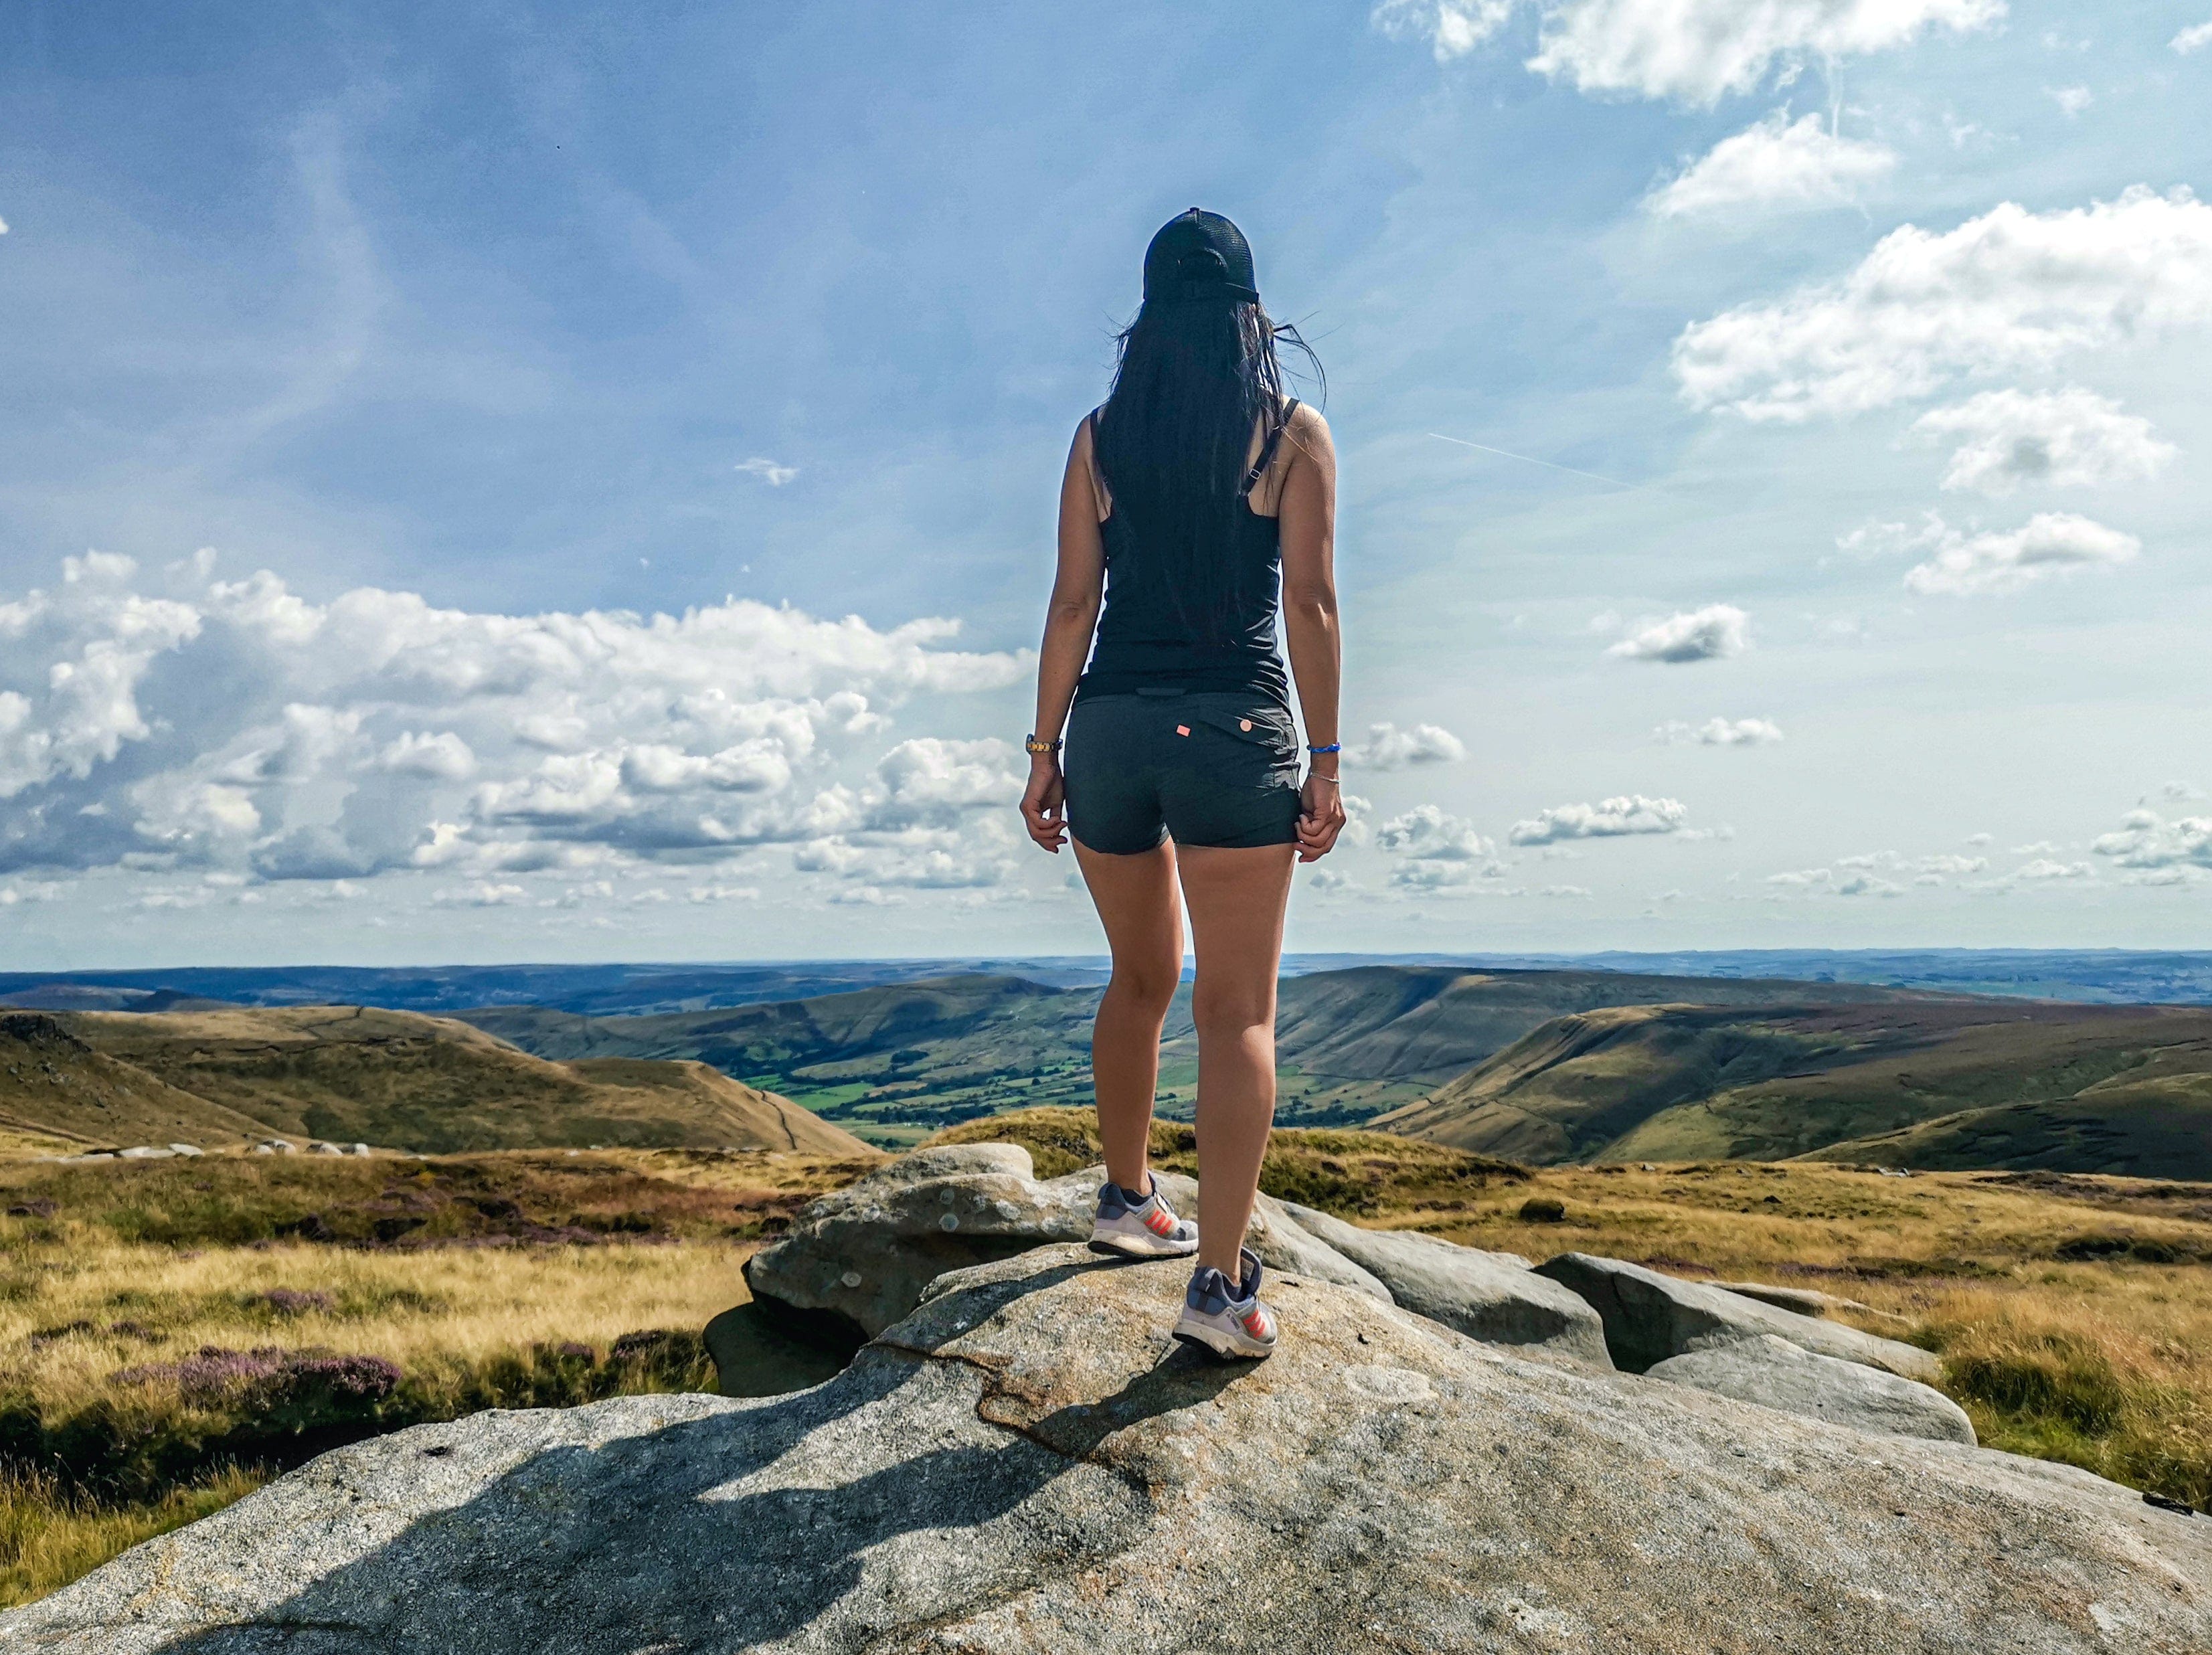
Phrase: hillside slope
[54,1086]
[910,1057]
[1686,1082]
[429,1083]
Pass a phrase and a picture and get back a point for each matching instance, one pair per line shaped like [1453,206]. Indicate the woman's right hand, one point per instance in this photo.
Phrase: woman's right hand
[1043,802]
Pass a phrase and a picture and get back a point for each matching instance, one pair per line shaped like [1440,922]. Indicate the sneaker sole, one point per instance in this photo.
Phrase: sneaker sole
[1146,1246]
[1223,1347]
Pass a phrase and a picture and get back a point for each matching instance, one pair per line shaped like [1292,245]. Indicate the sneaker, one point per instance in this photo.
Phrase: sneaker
[1227,1319]
[1148,1230]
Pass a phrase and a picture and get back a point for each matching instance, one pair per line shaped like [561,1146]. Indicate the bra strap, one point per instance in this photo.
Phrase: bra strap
[1267,449]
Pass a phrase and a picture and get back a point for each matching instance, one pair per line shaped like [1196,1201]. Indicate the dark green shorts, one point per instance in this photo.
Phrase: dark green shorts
[1206,767]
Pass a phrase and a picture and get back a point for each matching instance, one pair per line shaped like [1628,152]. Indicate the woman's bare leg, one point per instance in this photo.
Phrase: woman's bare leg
[1237,900]
[1136,899]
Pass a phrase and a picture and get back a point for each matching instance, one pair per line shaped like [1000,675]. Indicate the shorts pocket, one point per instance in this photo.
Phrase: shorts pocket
[1256,747]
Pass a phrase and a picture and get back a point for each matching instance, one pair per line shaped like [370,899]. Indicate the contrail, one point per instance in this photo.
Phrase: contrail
[1614,482]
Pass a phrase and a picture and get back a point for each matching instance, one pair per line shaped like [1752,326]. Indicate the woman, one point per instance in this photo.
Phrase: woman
[1190,495]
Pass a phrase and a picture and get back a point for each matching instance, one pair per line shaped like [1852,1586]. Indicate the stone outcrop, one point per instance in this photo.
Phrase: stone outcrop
[1025,1465]
[1650,1317]
[862,1255]
[1776,1373]
[1493,1297]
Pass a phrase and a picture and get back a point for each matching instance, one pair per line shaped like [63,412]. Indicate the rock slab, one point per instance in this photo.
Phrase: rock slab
[1027,1465]
[1776,1373]
[1493,1297]
[1650,1317]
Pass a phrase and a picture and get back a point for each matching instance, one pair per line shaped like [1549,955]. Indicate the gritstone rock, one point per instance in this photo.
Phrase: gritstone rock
[1026,1466]
[1776,1373]
[861,1255]
[1650,1317]
[1485,1296]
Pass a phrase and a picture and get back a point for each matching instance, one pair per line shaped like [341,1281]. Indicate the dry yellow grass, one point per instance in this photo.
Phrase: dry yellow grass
[423,1310]
[108,1267]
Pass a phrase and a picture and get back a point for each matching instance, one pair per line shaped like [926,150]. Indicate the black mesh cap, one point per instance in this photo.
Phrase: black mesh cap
[1199,255]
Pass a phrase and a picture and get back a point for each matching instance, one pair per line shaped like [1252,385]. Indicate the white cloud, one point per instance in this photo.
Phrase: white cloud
[767,470]
[1389,748]
[2149,843]
[2011,291]
[1608,819]
[444,756]
[1774,164]
[1720,733]
[1697,51]
[1712,633]
[1993,560]
[2072,100]
[2063,438]
[2181,790]
[1427,833]
[1569,892]
[2196,37]
[561,740]
[1440,852]
[483,894]
[2045,871]
[1452,27]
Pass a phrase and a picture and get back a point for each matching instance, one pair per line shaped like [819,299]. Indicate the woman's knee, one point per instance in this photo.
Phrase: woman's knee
[1147,988]
[1229,1013]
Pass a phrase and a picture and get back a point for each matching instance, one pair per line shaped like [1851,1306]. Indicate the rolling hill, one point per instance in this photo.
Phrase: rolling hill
[391,1078]
[897,1061]
[1920,1083]
[57,1093]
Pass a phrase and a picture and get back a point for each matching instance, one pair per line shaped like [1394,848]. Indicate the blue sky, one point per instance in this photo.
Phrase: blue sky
[539,481]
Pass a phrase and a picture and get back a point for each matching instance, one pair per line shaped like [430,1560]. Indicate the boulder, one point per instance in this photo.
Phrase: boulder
[1493,1296]
[1804,1301]
[1776,1373]
[860,1255]
[1026,1463]
[1650,1317]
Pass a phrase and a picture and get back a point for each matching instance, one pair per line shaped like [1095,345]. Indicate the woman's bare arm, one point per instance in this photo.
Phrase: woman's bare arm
[1308,515]
[1078,587]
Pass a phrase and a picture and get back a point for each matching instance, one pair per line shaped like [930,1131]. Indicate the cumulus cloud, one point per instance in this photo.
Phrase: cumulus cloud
[1389,748]
[2011,291]
[2063,438]
[2072,100]
[199,724]
[1720,733]
[1710,633]
[1428,834]
[2159,851]
[1452,27]
[1610,818]
[767,470]
[1698,50]
[1695,51]
[1775,164]
[1439,852]
[2043,870]
[1961,564]
[2194,38]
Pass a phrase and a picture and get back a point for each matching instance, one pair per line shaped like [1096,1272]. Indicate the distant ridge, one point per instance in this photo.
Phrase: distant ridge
[1927,1082]
[353,1074]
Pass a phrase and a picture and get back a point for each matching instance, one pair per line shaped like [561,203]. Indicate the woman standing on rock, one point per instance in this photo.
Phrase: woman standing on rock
[1198,489]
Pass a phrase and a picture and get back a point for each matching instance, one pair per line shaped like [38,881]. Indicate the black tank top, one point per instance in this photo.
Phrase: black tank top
[1143,641]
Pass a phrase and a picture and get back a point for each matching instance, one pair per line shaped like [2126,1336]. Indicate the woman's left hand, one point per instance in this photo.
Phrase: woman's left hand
[1044,803]
[1321,817]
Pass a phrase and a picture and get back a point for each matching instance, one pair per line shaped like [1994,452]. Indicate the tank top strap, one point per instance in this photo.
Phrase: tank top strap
[1267,448]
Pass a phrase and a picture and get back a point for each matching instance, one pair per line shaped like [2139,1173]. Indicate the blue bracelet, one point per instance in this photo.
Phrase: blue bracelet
[1334,746]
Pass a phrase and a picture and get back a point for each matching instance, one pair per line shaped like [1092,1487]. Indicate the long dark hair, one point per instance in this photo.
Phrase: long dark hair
[1195,377]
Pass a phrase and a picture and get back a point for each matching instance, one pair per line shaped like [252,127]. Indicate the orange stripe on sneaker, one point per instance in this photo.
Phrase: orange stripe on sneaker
[1159,1223]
